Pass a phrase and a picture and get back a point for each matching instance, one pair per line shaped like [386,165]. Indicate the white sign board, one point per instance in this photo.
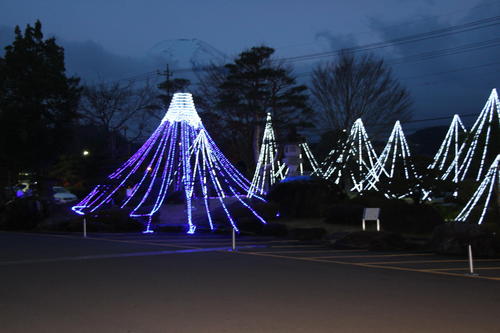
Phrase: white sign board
[371,214]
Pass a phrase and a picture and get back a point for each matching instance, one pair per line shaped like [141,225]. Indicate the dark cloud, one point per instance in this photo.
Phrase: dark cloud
[336,42]
[444,85]
[92,62]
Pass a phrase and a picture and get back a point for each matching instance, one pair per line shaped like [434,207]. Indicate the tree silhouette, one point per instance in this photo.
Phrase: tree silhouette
[38,102]
[358,87]
[245,90]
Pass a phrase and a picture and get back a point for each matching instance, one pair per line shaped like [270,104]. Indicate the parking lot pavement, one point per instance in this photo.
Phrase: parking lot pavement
[420,262]
[287,249]
[178,283]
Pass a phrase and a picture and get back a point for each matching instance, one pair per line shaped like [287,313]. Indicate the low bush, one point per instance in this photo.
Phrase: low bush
[109,220]
[454,238]
[304,197]
[21,214]
[115,220]
[395,215]
[274,229]
[448,210]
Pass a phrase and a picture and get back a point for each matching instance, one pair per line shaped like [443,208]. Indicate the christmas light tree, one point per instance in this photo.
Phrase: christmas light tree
[355,158]
[307,155]
[179,156]
[269,170]
[483,143]
[393,168]
[484,193]
[446,159]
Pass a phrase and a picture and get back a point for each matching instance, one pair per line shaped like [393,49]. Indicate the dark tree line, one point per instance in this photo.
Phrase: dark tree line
[38,102]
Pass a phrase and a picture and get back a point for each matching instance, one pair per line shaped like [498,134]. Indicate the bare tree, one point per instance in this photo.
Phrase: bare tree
[359,87]
[119,109]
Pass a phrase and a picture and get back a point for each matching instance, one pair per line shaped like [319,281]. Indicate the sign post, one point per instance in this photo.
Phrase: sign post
[371,214]
[234,240]
[471,263]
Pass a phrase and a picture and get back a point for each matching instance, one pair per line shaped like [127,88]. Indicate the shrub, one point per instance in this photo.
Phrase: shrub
[21,214]
[114,220]
[275,229]
[110,220]
[454,238]
[304,198]
[399,216]
[395,215]
[346,213]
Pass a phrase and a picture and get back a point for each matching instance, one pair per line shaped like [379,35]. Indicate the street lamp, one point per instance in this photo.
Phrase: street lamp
[85,153]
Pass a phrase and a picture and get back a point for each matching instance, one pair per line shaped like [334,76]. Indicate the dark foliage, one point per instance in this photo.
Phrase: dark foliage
[454,238]
[395,215]
[37,101]
[21,214]
[307,234]
[238,95]
[304,198]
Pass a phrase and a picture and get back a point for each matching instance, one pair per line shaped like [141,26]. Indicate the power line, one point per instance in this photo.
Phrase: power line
[456,29]
[406,23]
[439,53]
[450,71]
[460,28]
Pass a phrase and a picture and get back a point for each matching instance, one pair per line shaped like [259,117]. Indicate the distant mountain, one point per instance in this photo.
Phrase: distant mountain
[185,53]
[93,62]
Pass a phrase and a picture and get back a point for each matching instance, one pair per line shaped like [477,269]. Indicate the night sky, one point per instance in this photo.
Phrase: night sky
[110,40]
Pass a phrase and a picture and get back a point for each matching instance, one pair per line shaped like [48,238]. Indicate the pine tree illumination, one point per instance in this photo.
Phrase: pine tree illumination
[269,170]
[483,193]
[393,163]
[307,155]
[482,145]
[446,159]
[354,160]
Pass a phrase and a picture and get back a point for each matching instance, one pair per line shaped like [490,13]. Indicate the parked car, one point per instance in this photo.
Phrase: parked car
[62,195]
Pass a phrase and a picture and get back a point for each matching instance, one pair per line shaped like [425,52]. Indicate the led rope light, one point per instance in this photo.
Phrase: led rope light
[454,138]
[268,170]
[313,163]
[396,153]
[487,187]
[356,158]
[473,152]
[179,155]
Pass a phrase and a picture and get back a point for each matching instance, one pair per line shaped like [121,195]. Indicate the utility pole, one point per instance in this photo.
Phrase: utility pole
[166,85]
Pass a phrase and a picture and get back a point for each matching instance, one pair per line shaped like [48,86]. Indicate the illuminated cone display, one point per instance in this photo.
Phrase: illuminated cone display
[354,160]
[181,156]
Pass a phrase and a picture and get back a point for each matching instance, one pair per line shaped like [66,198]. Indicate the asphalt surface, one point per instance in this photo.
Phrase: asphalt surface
[178,283]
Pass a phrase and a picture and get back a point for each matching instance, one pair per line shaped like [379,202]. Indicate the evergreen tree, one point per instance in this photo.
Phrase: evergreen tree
[247,89]
[37,101]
